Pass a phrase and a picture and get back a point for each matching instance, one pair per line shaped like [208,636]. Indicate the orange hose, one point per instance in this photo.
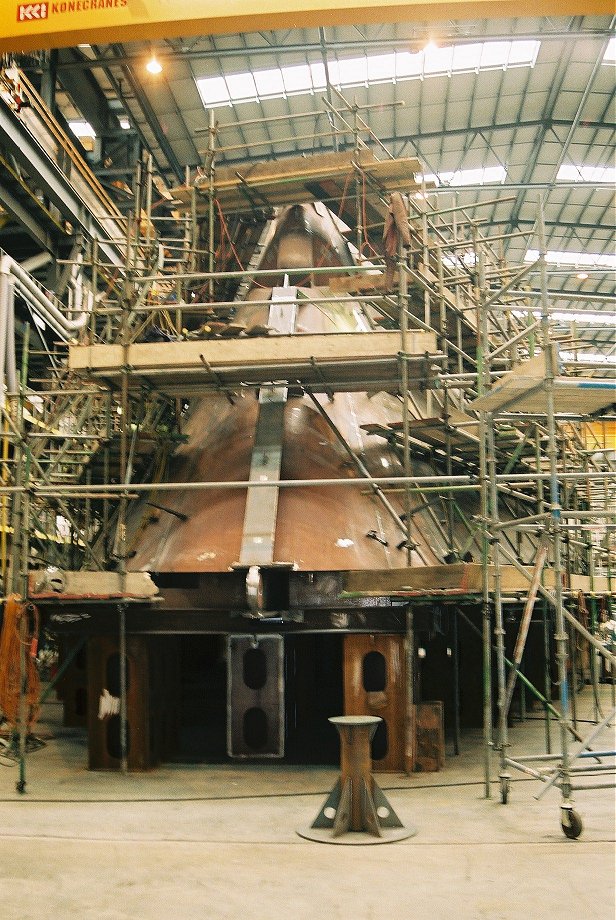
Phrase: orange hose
[10,646]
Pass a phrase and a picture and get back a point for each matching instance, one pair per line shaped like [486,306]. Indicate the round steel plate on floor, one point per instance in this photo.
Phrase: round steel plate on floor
[356,838]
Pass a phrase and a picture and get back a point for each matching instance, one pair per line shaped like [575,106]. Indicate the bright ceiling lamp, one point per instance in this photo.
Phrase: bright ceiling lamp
[154,66]
[568,172]
[610,52]
[581,259]
[394,67]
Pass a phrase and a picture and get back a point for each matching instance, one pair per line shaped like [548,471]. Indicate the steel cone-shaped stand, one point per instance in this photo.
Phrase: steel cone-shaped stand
[356,811]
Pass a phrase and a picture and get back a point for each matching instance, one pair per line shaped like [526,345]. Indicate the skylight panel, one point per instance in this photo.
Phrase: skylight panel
[520,53]
[480,176]
[468,57]
[269,82]
[297,79]
[587,259]
[586,317]
[408,65]
[366,69]
[491,54]
[213,91]
[493,174]
[381,67]
[241,87]
[353,72]
[587,357]
[82,129]
[438,60]
[465,257]
[568,172]
[318,75]
[333,72]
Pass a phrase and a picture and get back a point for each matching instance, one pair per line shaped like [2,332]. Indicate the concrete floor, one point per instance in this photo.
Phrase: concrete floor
[219,842]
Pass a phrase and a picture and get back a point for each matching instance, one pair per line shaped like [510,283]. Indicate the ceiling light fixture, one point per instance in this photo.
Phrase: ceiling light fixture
[582,276]
[154,66]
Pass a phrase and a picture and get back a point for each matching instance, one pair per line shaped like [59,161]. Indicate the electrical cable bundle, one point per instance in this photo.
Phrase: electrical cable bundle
[21,623]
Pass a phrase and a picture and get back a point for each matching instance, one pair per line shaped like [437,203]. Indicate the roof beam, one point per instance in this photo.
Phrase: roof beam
[404,139]
[360,45]
[539,139]
[26,219]
[87,95]
[576,225]
[17,140]
[578,114]
[148,113]
[140,139]
[570,296]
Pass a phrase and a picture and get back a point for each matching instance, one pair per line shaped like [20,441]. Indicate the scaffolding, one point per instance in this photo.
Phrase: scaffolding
[448,327]
[535,390]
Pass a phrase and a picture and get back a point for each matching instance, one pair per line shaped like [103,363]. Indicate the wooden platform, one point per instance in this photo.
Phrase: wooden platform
[432,432]
[461,578]
[339,361]
[62,586]
[298,179]
[523,390]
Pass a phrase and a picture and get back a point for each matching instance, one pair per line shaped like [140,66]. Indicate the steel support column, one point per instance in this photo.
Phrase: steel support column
[19,142]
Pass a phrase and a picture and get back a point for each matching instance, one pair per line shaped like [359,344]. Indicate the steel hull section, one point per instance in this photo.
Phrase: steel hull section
[315,529]
[318,528]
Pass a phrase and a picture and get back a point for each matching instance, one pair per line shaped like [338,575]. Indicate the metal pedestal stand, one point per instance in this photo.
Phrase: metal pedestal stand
[356,811]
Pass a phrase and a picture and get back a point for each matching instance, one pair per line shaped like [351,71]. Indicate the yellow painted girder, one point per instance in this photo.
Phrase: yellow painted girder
[27,26]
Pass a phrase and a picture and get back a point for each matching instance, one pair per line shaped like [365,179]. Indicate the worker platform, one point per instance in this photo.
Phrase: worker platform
[305,178]
[523,390]
[337,361]
[455,582]
[459,430]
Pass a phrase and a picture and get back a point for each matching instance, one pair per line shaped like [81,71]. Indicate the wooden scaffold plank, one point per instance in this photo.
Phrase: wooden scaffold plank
[338,361]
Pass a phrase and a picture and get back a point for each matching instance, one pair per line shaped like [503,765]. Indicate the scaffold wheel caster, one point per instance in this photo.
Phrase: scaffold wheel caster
[504,790]
[20,785]
[571,823]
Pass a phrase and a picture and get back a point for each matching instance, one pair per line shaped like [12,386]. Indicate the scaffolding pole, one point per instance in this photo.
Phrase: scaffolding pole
[557,477]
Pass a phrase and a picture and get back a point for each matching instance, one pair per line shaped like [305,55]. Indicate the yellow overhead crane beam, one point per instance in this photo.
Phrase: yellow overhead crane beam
[27,25]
